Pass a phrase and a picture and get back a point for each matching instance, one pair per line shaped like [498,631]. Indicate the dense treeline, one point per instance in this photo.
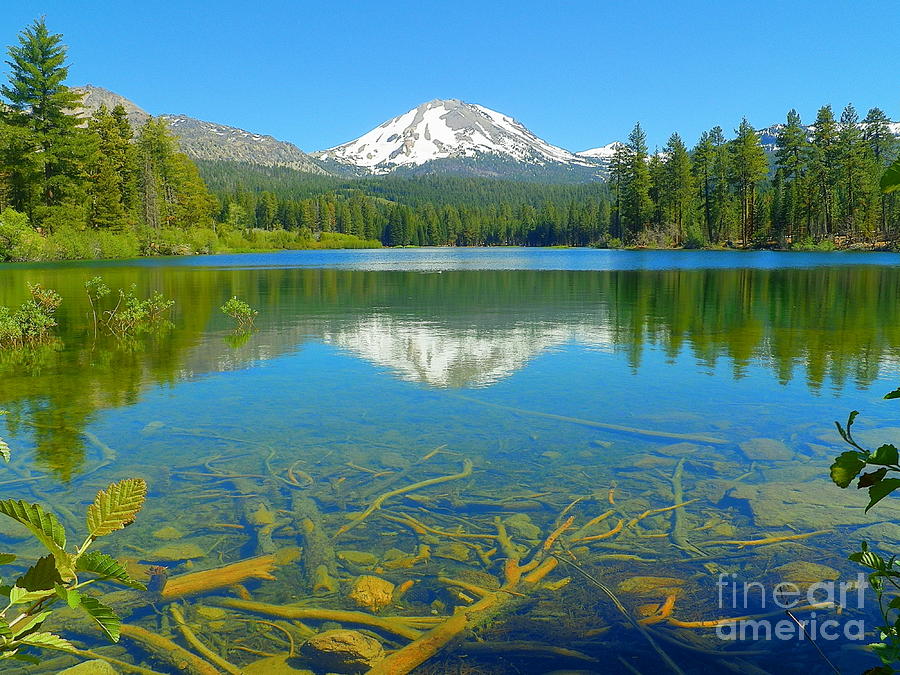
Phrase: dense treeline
[819,187]
[424,211]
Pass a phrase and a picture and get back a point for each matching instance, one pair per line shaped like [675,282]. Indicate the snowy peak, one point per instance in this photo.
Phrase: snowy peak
[448,129]
[604,152]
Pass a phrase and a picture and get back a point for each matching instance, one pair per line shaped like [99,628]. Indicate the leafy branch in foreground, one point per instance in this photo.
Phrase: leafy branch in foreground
[62,575]
[241,312]
[850,466]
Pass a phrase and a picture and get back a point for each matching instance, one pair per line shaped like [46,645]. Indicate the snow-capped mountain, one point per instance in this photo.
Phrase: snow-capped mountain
[451,136]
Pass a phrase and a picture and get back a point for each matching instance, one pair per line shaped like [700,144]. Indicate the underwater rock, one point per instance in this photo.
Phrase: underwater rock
[883,533]
[552,454]
[679,449]
[810,505]
[766,449]
[175,552]
[168,533]
[393,460]
[802,573]
[263,515]
[651,585]
[150,427]
[277,665]
[520,524]
[342,651]
[452,551]
[361,558]
[93,667]
[371,592]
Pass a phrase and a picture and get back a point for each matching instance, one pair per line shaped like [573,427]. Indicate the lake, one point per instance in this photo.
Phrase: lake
[577,382]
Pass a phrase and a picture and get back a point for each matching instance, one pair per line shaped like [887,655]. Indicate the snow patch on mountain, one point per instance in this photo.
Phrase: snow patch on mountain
[445,129]
[604,152]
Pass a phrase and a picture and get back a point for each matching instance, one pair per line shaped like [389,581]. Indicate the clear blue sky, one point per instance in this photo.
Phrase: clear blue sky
[578,74]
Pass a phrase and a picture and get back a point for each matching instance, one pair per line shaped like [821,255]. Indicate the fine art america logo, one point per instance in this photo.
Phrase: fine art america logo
[791,611]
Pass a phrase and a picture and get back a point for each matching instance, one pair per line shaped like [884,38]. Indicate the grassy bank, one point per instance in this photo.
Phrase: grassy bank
[20,243]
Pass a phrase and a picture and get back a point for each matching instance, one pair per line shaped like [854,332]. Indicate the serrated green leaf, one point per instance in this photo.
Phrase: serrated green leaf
[890,179]
[20,596]
[885,455]
[48,641]
[41,576]
[116,506]
[882,490]
[107,619]
[28,624]
[5,452]
[71,596]
[846,467]
[45,526]
[107,567]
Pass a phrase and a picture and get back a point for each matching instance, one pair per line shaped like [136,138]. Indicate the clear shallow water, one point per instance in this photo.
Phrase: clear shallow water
[364,361]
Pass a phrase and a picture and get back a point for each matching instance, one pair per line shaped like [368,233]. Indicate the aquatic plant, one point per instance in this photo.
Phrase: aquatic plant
[34,319]
[131,314]
[885,574]
[241,312]
[60,575]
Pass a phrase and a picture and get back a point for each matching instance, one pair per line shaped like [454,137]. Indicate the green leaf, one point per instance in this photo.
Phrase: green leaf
[4,450]
[32,623]
[893,394]
[5,630]
[107,619]
[48,641]
[870,479]
[108,567]
[116,507]
[20,596]
[886,455]
[41,576]
[71,596]
[846,467]
[882,490]
[45,526]
[6,558]
[27,658]
[890,179]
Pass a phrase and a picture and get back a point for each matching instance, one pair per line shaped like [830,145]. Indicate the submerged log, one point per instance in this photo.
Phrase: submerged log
[319,562]
[633,431]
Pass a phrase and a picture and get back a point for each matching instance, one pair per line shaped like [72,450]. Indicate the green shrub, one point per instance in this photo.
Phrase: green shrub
[18,241]
[33,321]
[130,315]
[241,312]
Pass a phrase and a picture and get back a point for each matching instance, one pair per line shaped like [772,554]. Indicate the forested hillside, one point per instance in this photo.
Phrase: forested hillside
[92,187]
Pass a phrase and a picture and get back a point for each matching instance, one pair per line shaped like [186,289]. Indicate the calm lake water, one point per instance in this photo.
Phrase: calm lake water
[366,361]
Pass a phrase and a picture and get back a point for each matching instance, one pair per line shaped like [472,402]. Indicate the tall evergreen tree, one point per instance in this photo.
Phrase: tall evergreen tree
[52,151]
[748,168]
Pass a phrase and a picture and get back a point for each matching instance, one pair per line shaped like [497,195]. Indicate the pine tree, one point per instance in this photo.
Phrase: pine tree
[679,186]
[824,171]
[852,171]
[636,202]
[748,168]
[792,160]
[882,150]
[51,152]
